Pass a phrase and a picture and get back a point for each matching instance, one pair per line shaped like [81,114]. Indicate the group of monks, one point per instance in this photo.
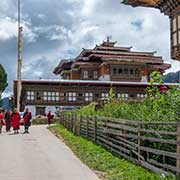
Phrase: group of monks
[13,120]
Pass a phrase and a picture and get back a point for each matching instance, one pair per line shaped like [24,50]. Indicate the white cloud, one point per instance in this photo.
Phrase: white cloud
[62,28]
[9,28]
[42,16]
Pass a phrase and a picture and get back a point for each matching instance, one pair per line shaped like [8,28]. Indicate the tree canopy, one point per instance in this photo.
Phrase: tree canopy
[3,78]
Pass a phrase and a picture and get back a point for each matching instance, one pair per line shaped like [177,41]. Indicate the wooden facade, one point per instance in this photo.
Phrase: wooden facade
[170,8]
[48,93]
[74,92]
[90,76]
[107,62]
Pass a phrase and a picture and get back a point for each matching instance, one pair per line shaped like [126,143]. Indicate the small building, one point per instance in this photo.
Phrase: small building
[89,77]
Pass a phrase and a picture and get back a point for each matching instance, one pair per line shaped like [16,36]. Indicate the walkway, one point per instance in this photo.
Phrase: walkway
[39,156]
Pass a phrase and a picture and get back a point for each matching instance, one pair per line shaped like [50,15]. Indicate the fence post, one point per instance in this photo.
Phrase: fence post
[80,124]
[95,128]
[139,141]
[68,118]
[87,125]
[106,127]
[65,120]
[72,122]
[61,119]
[178,147]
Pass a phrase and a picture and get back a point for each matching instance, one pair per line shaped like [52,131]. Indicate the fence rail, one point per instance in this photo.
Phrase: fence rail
[153,145]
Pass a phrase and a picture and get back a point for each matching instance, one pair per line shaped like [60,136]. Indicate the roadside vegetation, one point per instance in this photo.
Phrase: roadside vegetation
[158,106]
[104,163]
[3,78]
[40,120]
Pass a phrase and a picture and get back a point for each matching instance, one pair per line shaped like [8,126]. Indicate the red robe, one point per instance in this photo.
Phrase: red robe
[2,119]
[15,119]
[49,116]
[27,118]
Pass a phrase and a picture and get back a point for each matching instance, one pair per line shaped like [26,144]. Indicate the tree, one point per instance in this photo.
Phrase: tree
[3,79]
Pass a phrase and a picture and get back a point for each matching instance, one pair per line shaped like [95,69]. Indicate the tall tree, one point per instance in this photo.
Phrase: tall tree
[3,79]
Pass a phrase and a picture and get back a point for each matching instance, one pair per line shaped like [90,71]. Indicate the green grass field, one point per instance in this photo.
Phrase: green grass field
[104,163]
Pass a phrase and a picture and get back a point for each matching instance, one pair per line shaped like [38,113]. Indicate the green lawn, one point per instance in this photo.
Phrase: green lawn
[100,160]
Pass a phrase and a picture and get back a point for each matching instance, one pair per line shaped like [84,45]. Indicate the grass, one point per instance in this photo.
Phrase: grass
[100,160]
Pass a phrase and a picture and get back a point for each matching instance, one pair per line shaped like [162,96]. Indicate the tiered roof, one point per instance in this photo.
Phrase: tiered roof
[108,52]
[146,3]
[65,64]
[166,6]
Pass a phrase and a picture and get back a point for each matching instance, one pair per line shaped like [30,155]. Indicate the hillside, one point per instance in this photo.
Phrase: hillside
[172,77]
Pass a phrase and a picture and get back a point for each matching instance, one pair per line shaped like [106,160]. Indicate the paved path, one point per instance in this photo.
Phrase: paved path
[39,156]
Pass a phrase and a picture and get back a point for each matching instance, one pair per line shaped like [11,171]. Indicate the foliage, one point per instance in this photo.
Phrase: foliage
[156,107]
[152,90]
[111,95]
[39,120]
[99,159]
[3,78]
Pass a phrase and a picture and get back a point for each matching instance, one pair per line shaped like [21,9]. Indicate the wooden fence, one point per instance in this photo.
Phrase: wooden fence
[153,145]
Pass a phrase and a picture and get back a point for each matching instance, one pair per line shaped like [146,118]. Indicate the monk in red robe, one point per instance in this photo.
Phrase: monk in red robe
[7,118]
[15,119]
[1,120]
[27,120]
[49,117]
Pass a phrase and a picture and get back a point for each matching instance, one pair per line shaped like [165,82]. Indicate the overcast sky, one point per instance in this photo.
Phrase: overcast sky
[55,29]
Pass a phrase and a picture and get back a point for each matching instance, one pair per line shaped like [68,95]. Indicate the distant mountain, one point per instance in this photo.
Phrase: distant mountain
[172,77]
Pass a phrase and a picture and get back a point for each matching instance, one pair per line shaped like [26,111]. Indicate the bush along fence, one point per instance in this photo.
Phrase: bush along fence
[153,145]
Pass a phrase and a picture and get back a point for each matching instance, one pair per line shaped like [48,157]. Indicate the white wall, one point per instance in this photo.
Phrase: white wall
[104,78]
[47,109]
[144,79]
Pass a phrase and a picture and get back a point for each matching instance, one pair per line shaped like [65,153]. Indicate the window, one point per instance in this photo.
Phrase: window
[175,31]
[114,70]
[137,72]
[174,26]
[30,95]
[179,37]
[178,22]
[85,75]
[142,96]
[174,39]
[80,94]
[131,72]
[38,96]
[123,96]
[80,97]
[95,75]
[72,96]
[120,71]
[62,96]
[126,71]
[88,96]
[51,96]
[104,95]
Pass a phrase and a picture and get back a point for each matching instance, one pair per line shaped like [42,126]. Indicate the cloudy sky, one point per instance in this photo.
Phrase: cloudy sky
[55,29]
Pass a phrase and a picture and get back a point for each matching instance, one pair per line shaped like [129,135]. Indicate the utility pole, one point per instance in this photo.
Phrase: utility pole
[20,30]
